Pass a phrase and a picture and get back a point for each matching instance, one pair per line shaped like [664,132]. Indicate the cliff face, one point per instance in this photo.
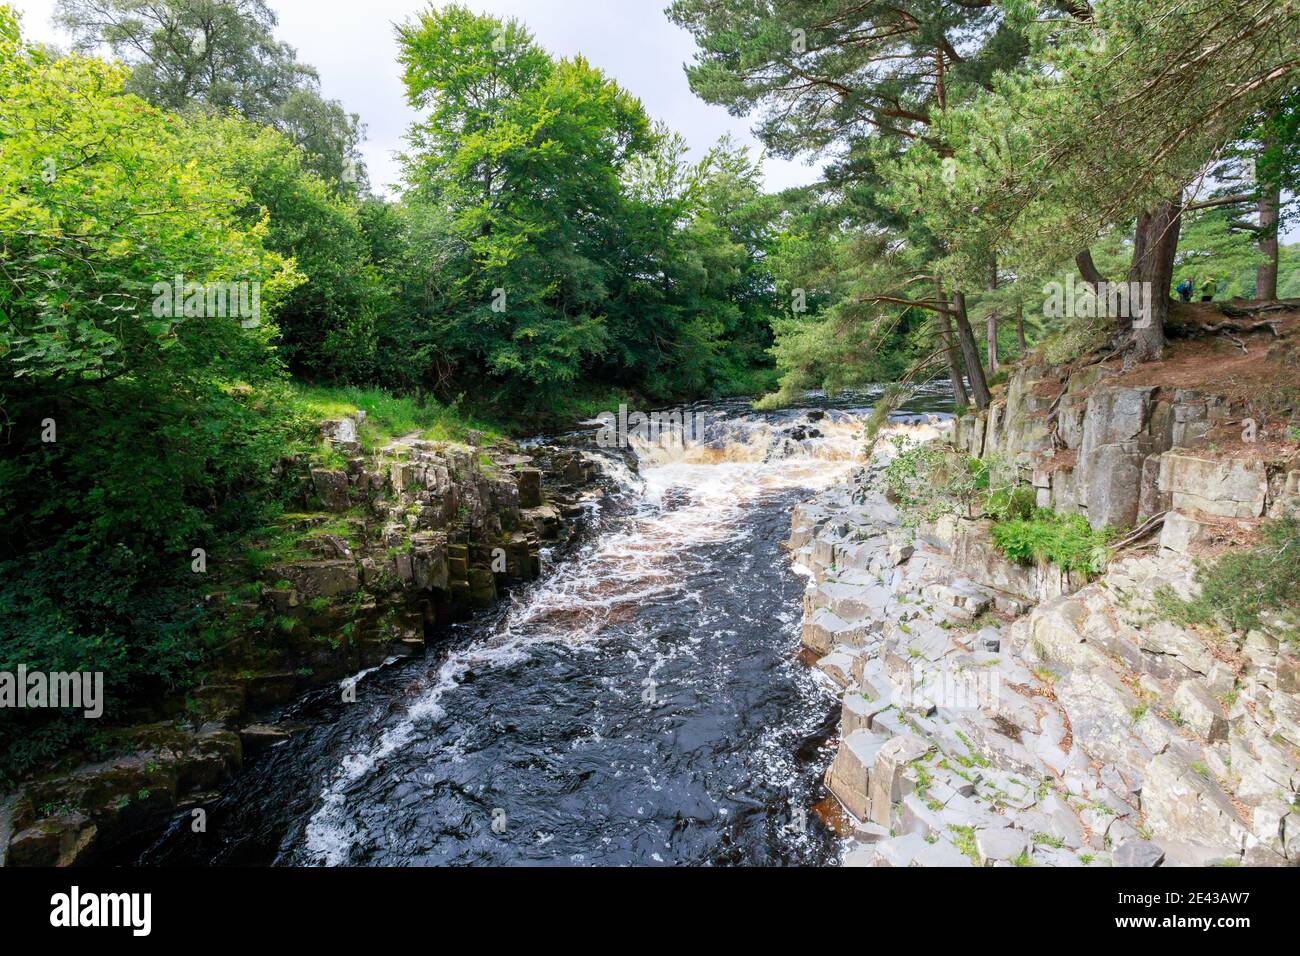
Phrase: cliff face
[996,713]
[1122,453]
[383,549]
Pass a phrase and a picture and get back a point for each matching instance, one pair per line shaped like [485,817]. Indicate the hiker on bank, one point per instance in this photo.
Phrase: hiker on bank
[1208,288]
[1184,290]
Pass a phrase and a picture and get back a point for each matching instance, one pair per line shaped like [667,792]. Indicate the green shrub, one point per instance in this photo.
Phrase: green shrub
[1064,540]
[927,481]
[1011,503]
[1239,586]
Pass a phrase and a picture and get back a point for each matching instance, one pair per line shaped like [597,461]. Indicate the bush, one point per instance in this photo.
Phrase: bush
[1064,540]
[1240,586]
[927,481]
[1011,503]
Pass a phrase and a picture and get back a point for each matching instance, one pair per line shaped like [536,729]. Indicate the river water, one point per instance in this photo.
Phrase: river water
[641,703]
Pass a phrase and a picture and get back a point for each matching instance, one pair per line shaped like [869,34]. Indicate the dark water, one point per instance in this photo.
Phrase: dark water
[640,704]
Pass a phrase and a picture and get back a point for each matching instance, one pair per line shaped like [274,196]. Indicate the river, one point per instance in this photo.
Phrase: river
[641,703]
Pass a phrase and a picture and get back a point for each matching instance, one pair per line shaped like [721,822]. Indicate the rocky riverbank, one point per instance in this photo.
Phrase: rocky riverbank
[1001,714]
[385,548]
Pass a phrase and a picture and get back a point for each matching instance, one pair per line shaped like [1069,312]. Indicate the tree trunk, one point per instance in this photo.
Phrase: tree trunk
[970,352]
[991,327]
[1154,245]
[1270,200]
[991,333]
[954,366]
[1020,328]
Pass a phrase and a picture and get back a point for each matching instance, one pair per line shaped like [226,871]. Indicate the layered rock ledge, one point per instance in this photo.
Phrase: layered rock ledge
[999,714]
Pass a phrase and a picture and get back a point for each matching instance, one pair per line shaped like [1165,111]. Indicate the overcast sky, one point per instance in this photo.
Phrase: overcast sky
[351,44]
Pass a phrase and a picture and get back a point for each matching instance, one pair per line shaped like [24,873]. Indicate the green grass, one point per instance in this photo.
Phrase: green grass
[390,416]
[963,838]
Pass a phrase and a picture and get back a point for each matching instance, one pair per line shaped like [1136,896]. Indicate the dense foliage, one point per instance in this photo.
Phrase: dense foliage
[552,243]
[980,150]
[129,437]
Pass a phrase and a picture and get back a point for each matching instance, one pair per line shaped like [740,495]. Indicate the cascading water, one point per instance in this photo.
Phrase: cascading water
[640,704]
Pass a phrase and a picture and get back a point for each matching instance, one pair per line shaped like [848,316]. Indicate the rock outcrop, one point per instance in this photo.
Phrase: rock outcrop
[998,714]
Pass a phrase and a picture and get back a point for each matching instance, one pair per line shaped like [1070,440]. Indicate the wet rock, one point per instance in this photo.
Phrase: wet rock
[838,666]
[862,855]
[822,631]
[257,737]
[58,841]
[321,578]
[530,487]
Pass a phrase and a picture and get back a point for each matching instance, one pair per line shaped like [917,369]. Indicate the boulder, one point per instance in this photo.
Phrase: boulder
[1114,487]
[887,783]
[940,853]
[1138,853]
[1183,804]
[824,629]
[530,487]
[900,851]
[1230,487]
[850,773]
[331,488]
[321,578]
[1181,533]
[1001,843]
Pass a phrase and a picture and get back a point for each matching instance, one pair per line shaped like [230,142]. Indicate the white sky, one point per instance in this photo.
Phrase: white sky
[352,46]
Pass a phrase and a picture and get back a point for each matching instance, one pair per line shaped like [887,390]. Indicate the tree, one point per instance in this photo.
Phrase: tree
[131,430]
[327,323]
[1276,165]
[526,152]
[1116,115]
[221,56]
[870,80]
